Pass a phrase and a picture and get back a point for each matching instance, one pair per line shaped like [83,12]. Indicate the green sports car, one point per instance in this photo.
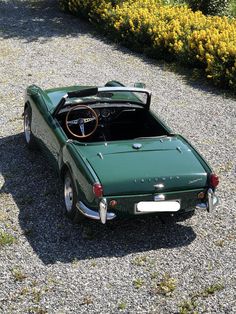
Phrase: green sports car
[114,155]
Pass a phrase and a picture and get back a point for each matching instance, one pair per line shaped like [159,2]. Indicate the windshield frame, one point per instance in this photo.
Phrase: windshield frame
[90,96]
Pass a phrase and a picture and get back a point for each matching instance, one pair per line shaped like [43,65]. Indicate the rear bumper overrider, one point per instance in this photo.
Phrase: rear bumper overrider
[103,215]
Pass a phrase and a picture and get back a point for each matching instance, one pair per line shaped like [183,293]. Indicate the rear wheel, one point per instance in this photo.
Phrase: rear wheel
[29,138]
[70,198]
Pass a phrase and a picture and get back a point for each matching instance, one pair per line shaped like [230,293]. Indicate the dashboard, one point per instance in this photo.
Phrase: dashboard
[104,114]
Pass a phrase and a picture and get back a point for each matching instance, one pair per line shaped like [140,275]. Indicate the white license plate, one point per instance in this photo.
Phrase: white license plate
[158,207]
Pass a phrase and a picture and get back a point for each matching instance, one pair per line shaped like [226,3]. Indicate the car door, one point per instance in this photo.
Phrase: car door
[47,131]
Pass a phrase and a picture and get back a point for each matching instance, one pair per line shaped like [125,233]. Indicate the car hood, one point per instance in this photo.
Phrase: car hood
[123,169]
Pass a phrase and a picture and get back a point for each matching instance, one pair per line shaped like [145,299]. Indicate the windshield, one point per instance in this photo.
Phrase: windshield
[111,97]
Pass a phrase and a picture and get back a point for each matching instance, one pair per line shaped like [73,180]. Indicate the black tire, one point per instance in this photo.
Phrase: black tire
[29,138]
[70,196]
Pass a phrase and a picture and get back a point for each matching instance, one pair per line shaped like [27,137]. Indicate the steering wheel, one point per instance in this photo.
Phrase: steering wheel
[82,121]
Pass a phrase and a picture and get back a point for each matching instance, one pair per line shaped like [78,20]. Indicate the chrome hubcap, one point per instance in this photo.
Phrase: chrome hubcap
[27,127]
[68,194]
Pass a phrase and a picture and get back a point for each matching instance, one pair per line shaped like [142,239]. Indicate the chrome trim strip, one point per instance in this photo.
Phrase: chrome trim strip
[124,89]
[92,214]
[159,186]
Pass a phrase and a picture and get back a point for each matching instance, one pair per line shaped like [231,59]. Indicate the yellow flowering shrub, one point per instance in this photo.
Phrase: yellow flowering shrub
[167,31]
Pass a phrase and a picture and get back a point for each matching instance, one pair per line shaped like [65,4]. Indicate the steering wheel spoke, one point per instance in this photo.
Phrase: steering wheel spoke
[73,122]
[81,126]
[86,120]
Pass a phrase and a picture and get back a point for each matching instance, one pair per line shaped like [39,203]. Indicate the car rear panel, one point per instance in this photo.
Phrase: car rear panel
[126,204]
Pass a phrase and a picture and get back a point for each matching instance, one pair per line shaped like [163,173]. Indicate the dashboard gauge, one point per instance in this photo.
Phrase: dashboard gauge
[105,113]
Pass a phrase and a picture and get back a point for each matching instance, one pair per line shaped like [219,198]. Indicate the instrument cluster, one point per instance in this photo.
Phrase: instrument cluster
[105,113]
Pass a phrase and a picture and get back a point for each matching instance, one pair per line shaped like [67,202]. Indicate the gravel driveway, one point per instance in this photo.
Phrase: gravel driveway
[138,266]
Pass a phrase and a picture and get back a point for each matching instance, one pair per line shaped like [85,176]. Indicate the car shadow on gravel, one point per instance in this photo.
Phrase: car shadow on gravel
[36,190]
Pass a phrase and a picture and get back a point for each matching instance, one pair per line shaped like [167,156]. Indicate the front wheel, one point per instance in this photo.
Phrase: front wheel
[30,141]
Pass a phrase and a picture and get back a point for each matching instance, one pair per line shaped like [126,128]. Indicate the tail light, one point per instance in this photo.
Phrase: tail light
[97,189]
[214,180]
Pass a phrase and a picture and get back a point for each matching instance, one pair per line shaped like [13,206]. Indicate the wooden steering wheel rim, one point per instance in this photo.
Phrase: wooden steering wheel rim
[94,114]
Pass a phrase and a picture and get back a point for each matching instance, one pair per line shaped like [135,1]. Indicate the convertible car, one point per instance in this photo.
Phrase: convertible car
[114,155]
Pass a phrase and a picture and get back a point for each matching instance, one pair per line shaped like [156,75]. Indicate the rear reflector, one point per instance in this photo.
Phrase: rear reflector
[97,189]
[201,195]
[214,180]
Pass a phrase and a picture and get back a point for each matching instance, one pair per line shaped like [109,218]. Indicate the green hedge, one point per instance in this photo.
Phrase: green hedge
[167,32]
[212,7]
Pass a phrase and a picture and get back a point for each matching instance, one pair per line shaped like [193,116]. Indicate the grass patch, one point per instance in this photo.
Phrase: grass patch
[36,310]
[6,238]
[139,261]
[138,283]
[212,289]
[208,291]
[93,263]
[3,216]
[75,262]
[154,275]
[27,231]
[225,168]
[219,243]
[5,51]
[166,285]
[122,306]
[24,291]
[15,119]
[190,306]
[18,274]
[36,295]
[87,300]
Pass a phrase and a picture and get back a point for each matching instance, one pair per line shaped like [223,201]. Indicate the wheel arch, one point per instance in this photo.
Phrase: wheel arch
[83,194]
[63,170]
[27,104]
[67,168]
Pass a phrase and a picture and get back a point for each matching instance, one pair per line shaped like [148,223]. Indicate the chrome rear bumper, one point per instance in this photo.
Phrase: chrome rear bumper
[101,215]
[212,201]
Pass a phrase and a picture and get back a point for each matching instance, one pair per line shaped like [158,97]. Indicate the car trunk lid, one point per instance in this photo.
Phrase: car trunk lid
[146,166]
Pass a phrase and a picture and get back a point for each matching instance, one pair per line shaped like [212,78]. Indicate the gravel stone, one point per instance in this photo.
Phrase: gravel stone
[88,267]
